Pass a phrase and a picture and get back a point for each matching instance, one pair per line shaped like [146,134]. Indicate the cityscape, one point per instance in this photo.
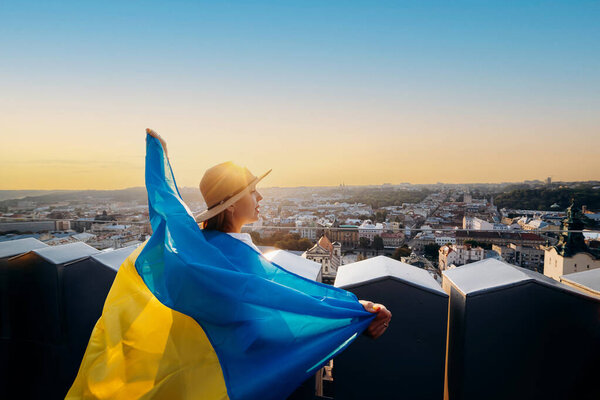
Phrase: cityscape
[435,227]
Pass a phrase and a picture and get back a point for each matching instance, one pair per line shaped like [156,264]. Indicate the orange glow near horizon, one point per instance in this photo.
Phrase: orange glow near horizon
[112,156]
[100,145]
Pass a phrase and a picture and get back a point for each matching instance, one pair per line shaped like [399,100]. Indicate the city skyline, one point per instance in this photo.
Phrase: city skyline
[358,93]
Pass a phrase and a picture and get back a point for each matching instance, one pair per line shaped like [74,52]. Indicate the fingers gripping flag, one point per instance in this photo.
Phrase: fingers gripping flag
[201,315]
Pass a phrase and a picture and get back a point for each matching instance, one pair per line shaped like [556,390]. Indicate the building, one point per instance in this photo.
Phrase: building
[63,225]
[459,255]
[477,224]
[329,255]
[393,226]
[369,230]
[346,235]
[392,240]
[27,226]
[523,256]
[444,239]
[500,238]
[306,229]
[539,225]
[571,253]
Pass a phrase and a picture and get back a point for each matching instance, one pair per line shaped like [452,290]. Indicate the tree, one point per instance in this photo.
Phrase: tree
[364,242]
[403,251]
[431,250]
[255,237]
[475,243]
[380,216]
[378,243]
[294,242]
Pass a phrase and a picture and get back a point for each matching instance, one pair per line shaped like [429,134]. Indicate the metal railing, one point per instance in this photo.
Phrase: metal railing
[279,227]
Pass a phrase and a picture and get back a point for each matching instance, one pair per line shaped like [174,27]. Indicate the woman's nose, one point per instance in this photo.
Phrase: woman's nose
[258,196]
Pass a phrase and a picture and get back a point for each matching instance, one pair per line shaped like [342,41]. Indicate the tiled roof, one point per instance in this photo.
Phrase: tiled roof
[325,243]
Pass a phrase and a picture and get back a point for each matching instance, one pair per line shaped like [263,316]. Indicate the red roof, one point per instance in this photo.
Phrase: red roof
[325,243]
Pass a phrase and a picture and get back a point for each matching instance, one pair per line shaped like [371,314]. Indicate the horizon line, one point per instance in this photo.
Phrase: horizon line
[328,186]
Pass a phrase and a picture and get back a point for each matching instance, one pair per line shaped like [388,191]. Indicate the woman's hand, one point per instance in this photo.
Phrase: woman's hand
[160,139]
[381,321]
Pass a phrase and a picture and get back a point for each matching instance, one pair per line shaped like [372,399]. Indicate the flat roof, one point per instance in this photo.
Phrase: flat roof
[381,267]
[589,280]
[15,247]
[491,274]
[114,259]
[67,252]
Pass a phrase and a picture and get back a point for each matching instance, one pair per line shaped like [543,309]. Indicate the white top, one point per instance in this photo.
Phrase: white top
[246,238]
[291,262]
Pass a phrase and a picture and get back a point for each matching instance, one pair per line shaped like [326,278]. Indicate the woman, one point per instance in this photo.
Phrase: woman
[197,314]
[233,201]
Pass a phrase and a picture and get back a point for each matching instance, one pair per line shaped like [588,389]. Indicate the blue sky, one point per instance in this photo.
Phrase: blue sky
[284,74]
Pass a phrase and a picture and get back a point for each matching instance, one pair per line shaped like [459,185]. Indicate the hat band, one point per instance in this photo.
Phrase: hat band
[228,197]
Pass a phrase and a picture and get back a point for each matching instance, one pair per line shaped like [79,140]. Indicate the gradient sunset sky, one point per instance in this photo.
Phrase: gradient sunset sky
[323,92]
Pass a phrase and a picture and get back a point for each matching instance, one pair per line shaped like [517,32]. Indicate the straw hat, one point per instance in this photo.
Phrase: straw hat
[223,185]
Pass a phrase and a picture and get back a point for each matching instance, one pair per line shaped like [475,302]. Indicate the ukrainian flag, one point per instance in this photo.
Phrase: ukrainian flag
[198,314]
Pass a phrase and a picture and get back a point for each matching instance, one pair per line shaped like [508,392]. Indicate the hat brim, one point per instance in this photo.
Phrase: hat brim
[208,214]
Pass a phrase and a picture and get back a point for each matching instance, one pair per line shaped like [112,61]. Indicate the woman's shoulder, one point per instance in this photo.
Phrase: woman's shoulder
[244,237]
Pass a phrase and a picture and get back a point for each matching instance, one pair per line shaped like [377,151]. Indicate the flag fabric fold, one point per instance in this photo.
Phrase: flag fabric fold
[200,314]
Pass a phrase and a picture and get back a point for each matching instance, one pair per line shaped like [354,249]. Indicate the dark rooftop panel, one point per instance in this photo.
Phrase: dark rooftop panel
[113,259]
[66,252]
[12,248]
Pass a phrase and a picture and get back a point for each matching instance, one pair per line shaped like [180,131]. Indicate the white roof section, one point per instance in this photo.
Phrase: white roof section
[114,259]
[491,274]
[66,252]
[382,267]
[267,249]
[296,264]
[12,248]
[589,280]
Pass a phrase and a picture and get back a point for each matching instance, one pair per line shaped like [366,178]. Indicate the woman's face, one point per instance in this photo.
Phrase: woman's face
[246,209]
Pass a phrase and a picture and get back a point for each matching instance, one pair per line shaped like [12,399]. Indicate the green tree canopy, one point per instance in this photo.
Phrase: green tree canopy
[364,242]
[431,251]
[378,243]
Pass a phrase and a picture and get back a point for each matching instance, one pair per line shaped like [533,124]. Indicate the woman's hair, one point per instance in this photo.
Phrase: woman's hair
[219,222]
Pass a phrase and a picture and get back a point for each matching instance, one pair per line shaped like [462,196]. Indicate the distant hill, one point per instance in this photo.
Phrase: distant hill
[382,197]
[544,198]
[46,197]
[19,194]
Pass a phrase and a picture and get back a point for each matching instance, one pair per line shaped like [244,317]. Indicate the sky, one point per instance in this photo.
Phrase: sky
[322,92]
